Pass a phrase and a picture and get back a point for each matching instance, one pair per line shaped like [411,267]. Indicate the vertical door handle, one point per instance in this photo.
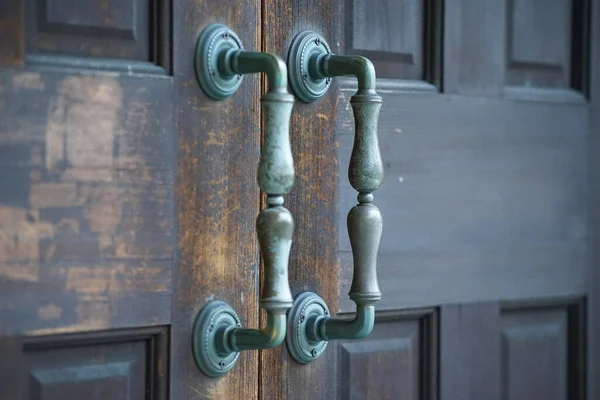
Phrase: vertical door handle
[218,337]
[312,65]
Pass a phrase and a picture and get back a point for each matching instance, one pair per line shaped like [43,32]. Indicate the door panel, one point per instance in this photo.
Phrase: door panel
[485,197]
[541,352]
[102,272]
[312,201]
[488,195]
[87,202]
[218,200]
[399,356]
[124,365]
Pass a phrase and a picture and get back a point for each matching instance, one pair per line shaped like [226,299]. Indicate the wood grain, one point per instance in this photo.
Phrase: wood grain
[313,262]
[116,364]
[86,210]
[470,351]
[593,312]
[12,33]
[478,191]
[217,200]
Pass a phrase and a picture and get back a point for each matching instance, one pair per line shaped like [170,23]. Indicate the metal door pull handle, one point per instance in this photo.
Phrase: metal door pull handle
[218,337]
[312,65]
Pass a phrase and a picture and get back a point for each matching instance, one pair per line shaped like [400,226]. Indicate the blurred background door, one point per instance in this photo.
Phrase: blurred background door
[125,199]
[485,258]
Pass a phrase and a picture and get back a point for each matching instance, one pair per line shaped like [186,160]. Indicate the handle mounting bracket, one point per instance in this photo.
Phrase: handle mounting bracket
[304,82]
[215,40]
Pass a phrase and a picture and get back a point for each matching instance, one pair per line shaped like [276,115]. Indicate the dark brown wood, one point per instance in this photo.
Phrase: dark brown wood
[86,207]
[313,261]
[217,200]
[470,351]
[86,214]
[116,364]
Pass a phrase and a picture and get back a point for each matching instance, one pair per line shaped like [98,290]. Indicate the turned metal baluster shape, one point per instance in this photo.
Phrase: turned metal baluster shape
[311,66]
[218,336]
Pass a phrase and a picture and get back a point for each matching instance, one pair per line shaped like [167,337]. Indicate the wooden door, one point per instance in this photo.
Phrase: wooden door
[126,200]
[484,263]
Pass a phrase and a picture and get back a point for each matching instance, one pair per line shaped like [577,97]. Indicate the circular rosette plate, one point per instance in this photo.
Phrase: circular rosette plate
[300,347]
[212,322]
[215,40]
[305,45]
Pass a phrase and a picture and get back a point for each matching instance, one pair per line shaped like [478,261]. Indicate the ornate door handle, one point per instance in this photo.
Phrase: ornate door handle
[218,337]
[312,65]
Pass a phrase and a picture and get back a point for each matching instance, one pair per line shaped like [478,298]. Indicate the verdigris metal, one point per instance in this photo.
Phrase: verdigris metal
[218,336]
[309,325]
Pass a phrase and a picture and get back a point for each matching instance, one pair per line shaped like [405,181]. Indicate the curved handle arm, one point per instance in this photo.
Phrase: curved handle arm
[365,174]
[218,336]
[274,225]
[312,65]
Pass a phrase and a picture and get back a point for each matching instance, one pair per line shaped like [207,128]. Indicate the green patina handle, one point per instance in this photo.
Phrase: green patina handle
[220,63]
[312,65]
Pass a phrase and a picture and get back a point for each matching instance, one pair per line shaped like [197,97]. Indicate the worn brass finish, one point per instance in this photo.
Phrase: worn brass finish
[309,329]
[218,336]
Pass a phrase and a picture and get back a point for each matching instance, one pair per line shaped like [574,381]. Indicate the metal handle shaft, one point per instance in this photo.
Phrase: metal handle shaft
[220,64]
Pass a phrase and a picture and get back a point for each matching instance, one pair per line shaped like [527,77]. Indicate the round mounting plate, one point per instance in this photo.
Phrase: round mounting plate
[303,47]
[299,346]
[215,317]
[214,40]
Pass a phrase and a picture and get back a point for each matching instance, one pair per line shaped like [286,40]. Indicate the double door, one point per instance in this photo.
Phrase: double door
[128,199]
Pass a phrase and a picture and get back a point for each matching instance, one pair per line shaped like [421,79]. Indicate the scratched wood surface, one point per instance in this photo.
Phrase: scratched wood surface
[86,220]
[594,200]
[87,232]
[12,35]
[313,262]
[217,200]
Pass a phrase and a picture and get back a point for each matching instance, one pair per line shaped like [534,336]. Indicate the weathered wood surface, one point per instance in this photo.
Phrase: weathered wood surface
[86,209]
[217,200]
